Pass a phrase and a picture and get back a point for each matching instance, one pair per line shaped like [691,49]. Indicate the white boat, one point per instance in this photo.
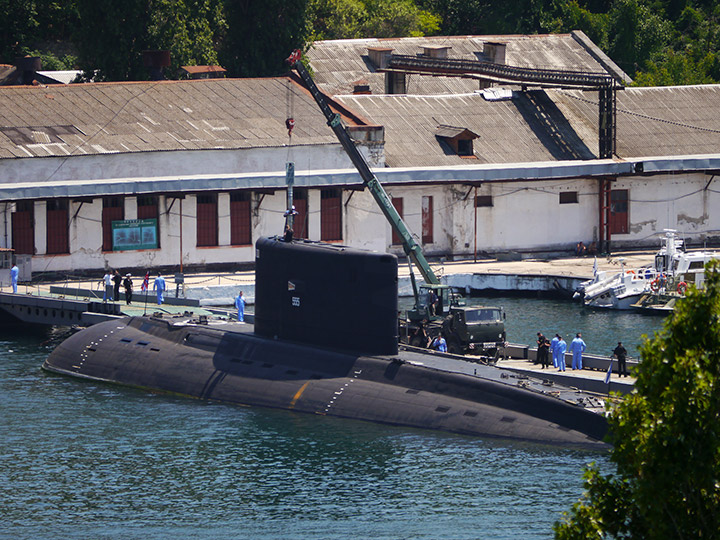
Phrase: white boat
[673,271]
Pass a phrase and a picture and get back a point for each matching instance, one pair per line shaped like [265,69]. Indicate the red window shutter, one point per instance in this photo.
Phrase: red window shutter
[240,223]
[300,229]
[23,232]
[57,231]
[427,220]
[110,214]
[619,211]
[207,230]
[398,204]
[330,215]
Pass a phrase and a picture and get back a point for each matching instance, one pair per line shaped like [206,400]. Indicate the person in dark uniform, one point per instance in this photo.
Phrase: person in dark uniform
[127,282]
[621,355]
[117,281]
[542,350]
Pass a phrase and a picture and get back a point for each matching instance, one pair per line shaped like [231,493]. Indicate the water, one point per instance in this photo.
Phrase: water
[600,329]
[80,459]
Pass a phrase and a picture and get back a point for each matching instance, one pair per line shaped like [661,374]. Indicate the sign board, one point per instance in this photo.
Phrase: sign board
[134,234]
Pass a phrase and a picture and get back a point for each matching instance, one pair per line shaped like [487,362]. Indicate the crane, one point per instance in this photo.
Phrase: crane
[436,310]
[410,246]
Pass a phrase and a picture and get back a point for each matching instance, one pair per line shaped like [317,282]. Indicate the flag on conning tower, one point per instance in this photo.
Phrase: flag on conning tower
[146,282]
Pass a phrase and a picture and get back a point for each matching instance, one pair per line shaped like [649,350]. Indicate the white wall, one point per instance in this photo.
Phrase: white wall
[180,163]
[525,216]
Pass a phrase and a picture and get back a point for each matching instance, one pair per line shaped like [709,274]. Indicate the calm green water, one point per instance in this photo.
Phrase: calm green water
[86,460]
[600,329]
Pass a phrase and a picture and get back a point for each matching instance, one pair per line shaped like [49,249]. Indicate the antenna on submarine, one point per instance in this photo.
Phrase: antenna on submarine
[290,213]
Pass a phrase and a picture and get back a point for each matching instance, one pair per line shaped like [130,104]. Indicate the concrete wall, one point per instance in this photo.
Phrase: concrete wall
[179,163]
[525,216]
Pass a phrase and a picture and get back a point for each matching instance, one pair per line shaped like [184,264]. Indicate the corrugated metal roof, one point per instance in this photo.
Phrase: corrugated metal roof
[149,116]
[338,63]
[524,129]
[545,125]
[659,121]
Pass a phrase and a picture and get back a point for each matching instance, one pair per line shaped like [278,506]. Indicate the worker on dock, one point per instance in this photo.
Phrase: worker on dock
[117,281]
[439,344]
[107,286]
[128,284]
[553,349]
[577,347]
[542,350]
[561,348]
[240,305]
[621,353]
[14,273]
[160,288]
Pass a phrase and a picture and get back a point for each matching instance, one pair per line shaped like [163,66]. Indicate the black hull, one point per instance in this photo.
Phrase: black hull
[228,363]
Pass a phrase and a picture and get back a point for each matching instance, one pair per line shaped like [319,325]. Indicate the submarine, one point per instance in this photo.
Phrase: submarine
[325,342]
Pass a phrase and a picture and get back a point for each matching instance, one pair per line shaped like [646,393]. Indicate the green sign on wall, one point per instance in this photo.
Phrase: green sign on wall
[134,234]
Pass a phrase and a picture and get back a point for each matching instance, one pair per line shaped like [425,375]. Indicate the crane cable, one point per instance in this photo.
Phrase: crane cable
[289,119]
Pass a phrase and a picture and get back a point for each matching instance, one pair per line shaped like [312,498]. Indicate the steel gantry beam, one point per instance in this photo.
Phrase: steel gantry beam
[604,84]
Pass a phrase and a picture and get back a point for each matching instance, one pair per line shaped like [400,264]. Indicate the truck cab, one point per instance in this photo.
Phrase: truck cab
[474,330]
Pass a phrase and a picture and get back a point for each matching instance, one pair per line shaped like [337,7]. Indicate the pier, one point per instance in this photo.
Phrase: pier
[78,302]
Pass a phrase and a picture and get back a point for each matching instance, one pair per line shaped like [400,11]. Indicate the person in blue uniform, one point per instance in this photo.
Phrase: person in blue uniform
[561,348]
[553,349]
[240,305]
[159,287]
[14,273]
[577,347]
[440,344]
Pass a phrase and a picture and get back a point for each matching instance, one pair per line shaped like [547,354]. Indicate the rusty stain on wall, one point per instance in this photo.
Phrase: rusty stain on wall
[698,221]
[637,228]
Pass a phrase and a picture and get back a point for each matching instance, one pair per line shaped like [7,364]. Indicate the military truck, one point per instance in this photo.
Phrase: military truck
[478,330]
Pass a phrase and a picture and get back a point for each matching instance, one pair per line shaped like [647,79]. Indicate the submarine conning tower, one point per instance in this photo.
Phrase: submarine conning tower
[326,295]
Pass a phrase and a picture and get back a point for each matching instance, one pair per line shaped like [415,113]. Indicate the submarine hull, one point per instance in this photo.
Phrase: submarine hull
[228,363]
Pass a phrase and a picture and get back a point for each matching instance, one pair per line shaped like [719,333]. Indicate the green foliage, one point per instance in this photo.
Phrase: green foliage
[52,62]
[348,19]
[261,35]
[189,29]
[637,32]
[666,436]
[657,42]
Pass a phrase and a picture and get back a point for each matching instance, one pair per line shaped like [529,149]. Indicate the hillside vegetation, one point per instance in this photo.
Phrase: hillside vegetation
[657,42]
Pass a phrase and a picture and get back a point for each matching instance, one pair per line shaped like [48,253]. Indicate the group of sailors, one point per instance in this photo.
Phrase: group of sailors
[557,347]
[112,281]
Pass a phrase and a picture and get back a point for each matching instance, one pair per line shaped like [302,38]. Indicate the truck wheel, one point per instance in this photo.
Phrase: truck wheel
[454,348]
[417,342]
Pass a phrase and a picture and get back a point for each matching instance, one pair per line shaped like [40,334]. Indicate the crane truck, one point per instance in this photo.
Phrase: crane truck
[437,309]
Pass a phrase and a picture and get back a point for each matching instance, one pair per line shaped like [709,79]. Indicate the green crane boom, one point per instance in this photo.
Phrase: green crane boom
[411,248]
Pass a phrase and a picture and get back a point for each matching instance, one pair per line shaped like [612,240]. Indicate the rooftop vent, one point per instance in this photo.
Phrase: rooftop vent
[495,52]
[361,87]
[28,66]
[379,56]
[435,51]
[459,139]
[156,61]
[204,72]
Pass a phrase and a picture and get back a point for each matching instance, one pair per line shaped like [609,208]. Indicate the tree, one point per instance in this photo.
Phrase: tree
[261,35]
[121,31]
[638,33]
[666,436]
[349,19]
